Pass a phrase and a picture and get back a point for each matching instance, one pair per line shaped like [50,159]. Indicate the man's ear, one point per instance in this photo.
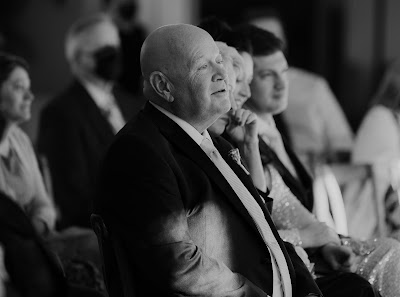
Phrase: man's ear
[161,85]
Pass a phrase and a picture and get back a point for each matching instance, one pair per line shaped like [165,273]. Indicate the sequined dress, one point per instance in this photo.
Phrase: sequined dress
[378,259]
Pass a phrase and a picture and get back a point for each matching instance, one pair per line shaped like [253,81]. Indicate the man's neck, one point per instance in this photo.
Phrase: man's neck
[97,82]
[264,116]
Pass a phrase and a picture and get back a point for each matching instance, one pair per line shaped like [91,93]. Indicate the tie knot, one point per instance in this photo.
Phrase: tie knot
[208,147]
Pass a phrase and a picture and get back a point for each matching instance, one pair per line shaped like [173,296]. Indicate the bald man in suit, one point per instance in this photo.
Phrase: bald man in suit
[185,228]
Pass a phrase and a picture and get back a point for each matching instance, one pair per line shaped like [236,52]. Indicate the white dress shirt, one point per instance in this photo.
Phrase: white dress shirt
[105,101]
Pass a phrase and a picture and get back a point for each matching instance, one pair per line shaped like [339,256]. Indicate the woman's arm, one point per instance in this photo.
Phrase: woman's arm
[293,220]
[243,130]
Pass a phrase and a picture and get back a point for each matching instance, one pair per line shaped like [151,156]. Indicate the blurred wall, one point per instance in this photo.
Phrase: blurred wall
[357,66]
[155,13]
[371,43]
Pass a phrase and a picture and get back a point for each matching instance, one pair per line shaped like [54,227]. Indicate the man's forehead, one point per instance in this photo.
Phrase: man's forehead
[100,35]
[202,51]
[275,60]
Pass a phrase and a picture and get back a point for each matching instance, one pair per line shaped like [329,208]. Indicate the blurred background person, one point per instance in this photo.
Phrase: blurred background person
[314,122]
[377,142]
[77,126]
[20,177]
[132,34]
[378,137]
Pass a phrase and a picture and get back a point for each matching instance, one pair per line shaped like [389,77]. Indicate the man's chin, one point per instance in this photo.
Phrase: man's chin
[279,107]
[218,127]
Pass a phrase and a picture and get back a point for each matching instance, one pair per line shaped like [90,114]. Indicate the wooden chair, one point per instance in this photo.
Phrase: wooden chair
[117,273]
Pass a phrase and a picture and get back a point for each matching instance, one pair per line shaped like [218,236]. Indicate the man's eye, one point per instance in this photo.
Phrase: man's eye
[203,67]
[266,75]
[19,87]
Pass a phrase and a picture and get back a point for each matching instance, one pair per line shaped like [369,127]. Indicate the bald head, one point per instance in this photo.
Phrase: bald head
[183,72]
[169,45]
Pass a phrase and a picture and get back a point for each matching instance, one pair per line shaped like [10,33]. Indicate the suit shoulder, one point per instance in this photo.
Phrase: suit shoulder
[66,100]
[140,129]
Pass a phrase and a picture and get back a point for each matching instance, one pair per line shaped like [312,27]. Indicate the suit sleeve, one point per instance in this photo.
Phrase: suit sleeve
[305,284]
[143,204]
[59,141]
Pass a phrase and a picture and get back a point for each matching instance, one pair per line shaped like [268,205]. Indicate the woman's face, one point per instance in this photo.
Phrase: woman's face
[243,80]
[16,96]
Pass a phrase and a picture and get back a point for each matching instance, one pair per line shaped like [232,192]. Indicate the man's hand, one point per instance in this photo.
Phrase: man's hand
[340,258]
[243,126]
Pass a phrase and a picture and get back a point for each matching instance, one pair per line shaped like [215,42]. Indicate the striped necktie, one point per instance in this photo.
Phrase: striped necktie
[282,284]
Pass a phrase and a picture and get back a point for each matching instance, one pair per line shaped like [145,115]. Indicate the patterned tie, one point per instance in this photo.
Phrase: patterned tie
[282,284]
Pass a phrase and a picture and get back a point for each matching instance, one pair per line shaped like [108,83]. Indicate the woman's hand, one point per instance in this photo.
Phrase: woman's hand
[243,127]
[40,226]
[318,234]
[340,258]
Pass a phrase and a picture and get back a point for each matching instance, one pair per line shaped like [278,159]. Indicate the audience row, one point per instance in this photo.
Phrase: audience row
[194,179]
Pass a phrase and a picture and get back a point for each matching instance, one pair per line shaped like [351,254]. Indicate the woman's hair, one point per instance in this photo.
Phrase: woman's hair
[388,93]
[8,63]
[222,31]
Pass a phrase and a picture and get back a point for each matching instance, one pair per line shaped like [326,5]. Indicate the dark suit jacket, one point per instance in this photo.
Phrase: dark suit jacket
[302,187]
[184,229]
[74,136]
[33,270]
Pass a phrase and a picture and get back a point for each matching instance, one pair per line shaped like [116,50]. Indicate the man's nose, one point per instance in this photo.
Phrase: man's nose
[221,73]
[29,95]
[279,83]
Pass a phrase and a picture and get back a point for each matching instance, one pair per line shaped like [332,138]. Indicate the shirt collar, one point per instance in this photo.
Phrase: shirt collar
[189,129]
[264,125]
[5,144]
[102,97]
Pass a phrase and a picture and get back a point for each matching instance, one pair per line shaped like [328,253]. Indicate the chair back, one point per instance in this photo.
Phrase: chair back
[117,273]
[329,206]
[350,198]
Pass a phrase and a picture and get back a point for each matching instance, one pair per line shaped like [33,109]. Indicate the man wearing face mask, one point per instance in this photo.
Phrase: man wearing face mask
[79,124]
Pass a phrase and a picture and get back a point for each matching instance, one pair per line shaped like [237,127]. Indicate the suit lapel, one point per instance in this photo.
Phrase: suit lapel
[93,114]
[269,156]
[187,146]
[247,181]
[305,183]
[185,143]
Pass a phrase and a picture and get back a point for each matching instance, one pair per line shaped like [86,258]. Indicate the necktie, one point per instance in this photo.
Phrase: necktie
[113,114]
[282,284]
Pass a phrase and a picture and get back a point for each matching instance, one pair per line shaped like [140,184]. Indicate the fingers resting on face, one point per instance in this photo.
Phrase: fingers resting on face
[241,117]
